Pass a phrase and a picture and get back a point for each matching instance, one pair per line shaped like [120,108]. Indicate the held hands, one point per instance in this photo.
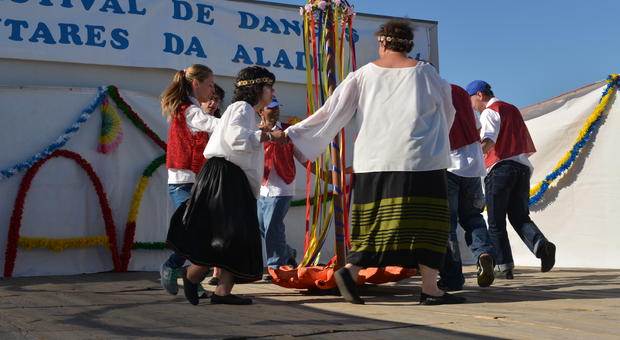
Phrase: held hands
[279,136]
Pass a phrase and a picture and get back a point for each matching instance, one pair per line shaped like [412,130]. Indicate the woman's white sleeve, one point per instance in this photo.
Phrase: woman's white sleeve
[242,132]
[198,120]
[312,135]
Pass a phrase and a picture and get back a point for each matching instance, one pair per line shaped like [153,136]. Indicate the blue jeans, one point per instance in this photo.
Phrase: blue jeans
[507,188]
[465,202]
[271,212]
[179,193]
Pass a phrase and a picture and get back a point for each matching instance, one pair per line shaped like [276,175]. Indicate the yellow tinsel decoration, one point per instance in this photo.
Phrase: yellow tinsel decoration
[60,244]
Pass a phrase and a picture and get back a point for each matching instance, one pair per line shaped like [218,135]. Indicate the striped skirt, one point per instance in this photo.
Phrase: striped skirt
[399,219]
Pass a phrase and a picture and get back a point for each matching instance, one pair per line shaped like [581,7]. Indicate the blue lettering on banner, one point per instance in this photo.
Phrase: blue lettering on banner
[242,55]
[295,26]
[114,5]
[282,59]
[245,20]
[133,8]
[183,10]
[259,57]
[204,13]
[250,21]
[301,57]
[16,28]
[69,32]
[42,32]
[195,46]
[176,45]
[270,24]
[119,39]
[94,35]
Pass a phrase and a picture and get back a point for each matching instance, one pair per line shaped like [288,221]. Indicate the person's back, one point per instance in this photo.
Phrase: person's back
[406,108]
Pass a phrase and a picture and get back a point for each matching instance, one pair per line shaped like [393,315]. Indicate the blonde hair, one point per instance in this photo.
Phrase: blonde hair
[179,90]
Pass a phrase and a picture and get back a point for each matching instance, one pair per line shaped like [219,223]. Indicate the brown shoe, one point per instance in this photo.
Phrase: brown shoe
[485,270]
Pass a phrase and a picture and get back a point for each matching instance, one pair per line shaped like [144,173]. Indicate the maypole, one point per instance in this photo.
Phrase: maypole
[328,40]
[337,170]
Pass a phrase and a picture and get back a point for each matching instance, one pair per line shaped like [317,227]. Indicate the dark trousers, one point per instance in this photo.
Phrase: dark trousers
[507,188]
[466,203]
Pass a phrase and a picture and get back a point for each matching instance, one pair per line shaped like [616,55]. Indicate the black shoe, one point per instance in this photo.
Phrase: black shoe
[447,288]
[214,281]
[190,290]
[506,274]
[445,299]
[347,287]
[485,270]
[292,259]
[267,277]
[230,300]
[547,257]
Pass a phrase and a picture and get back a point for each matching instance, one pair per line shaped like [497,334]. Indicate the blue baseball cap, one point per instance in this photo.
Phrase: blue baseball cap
[274,103]
[477,86]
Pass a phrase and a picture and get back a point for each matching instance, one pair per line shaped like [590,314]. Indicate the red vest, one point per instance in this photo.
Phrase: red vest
[280,157]
[463,131]
[184,147]
[513,139]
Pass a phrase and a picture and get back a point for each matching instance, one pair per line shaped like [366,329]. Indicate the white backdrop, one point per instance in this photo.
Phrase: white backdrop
[580,212]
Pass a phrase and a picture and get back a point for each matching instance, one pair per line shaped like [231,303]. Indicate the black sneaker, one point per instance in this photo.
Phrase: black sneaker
[445,299]
[190,290]
[485,270]
[547,257]
[230,300]
[441,285]
[347,287]
[292,259]
[506,274]
[214,281]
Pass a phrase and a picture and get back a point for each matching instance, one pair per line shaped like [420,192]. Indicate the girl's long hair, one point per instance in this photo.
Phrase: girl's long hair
[179,90]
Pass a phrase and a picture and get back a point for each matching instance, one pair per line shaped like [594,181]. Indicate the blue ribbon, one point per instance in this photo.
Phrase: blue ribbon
[60,141]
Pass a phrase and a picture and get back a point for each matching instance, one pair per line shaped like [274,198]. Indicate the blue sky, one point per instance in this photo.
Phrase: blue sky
[529,51]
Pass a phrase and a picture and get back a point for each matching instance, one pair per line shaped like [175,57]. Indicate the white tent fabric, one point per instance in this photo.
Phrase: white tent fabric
[579,212]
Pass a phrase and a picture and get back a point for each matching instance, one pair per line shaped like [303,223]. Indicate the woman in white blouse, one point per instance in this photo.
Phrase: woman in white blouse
[218,225]
[403,111]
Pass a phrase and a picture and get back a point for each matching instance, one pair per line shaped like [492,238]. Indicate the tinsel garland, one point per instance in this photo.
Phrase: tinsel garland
[130,226]
[111,134]
[18,209]
[592,123]
[60,141]
[133,116]
[60,244]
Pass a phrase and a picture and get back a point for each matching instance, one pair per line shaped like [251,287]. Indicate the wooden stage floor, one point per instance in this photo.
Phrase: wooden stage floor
[567,303]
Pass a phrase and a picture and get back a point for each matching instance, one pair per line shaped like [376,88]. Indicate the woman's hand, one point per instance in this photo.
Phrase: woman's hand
[279,136]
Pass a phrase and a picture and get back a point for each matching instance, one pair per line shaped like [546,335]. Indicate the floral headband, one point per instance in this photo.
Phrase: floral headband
[265,80]
[383,38]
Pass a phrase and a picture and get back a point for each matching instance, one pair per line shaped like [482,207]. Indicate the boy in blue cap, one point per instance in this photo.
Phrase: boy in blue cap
[507,144]
[277,191]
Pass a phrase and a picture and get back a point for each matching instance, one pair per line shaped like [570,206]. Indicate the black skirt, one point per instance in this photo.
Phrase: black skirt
[218,226]
[399,219]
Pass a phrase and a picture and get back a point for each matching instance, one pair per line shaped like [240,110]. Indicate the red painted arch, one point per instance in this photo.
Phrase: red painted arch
[18,209]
